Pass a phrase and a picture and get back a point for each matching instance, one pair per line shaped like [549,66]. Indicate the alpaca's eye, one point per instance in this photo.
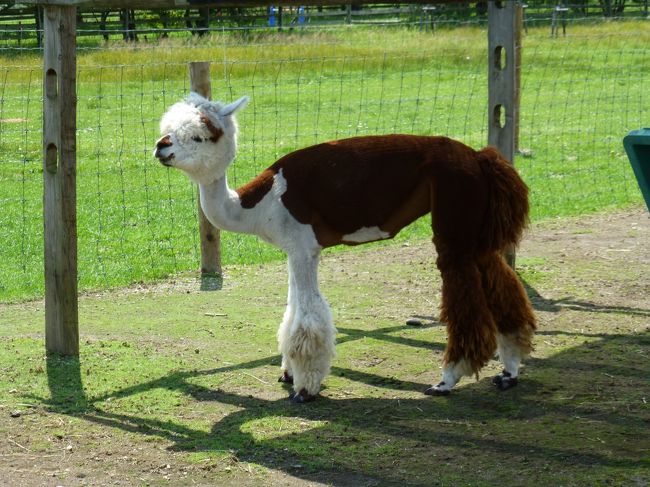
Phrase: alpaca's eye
[196,138]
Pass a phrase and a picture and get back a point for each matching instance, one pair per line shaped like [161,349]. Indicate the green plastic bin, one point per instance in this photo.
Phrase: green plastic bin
[637,146]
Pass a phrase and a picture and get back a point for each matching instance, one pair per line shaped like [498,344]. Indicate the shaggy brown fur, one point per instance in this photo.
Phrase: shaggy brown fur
[479,208]
[481,294]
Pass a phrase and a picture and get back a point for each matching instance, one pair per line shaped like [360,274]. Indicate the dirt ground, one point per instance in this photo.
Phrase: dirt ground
[589,275]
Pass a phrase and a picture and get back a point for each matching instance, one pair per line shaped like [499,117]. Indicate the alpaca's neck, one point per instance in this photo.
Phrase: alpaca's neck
[222,206]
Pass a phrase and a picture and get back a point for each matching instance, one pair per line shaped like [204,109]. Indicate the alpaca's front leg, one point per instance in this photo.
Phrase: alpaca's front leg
[307,335]
[283,333]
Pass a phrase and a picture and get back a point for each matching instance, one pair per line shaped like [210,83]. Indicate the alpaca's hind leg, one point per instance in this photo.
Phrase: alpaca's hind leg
[307,335]
[513,313]
[471,331]
[511,356]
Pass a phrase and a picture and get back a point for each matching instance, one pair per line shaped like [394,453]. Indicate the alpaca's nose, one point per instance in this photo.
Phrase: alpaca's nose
[163,142]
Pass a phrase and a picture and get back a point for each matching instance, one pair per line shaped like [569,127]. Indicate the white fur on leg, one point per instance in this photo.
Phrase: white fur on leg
[509,353]
[307,335]
[283,338]
[309,346]
[451,374]
[285,327]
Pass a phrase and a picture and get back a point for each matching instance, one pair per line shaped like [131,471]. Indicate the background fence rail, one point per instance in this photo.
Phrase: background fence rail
[137,221]
[21,25]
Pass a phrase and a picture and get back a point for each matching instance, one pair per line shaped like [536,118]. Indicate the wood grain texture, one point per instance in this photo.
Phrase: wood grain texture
[59,179]
[504,52]
[210,235]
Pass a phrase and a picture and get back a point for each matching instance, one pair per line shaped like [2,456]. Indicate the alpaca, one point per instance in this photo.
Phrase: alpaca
[364,189]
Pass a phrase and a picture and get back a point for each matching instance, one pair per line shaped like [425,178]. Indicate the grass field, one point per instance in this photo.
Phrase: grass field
[580,96]
[175,386]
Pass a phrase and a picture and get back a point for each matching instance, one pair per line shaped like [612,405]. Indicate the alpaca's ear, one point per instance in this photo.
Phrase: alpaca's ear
[234,107]
[197,100]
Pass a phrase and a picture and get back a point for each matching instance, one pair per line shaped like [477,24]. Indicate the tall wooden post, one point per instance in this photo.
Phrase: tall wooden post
[210,235]
[59,178]
[504,44]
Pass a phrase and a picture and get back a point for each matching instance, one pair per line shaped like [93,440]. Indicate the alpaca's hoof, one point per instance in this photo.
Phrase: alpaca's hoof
[285,378]
[301,397]
[439,390]
[504,381]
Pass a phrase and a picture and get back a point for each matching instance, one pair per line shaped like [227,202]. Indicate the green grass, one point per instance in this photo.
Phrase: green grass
[580,95]
[170,375]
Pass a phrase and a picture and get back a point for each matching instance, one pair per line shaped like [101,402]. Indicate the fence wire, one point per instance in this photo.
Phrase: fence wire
[581,93]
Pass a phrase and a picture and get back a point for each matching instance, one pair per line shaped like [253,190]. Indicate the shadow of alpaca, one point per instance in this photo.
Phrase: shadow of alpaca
[570,411]
[561,406]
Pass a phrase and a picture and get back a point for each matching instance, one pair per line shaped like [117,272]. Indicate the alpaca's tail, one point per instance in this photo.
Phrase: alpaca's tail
[507,214]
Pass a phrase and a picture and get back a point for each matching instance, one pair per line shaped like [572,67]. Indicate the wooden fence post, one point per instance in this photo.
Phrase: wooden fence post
[210,235]
[59,180]
[504,44]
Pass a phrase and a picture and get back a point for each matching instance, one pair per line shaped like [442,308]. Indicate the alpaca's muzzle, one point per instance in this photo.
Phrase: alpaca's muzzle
[159,152]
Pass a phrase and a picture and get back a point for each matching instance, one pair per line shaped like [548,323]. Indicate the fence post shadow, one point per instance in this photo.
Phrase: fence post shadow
[211,281]
[65,384]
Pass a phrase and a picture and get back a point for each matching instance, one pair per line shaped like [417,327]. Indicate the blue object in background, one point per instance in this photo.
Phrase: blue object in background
[637,146]
[272,13]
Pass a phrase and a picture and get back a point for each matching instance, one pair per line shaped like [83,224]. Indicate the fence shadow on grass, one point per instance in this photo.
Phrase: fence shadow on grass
[540,303]
[360,441]
[580,404]
[385,335]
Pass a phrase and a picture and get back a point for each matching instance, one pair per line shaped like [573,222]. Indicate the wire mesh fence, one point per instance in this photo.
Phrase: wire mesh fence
[137,220]
[20,24]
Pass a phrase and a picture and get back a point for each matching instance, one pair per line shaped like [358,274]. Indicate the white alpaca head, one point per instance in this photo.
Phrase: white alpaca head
[199,137]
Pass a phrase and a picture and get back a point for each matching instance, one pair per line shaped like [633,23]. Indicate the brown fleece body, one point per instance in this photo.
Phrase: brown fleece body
[478,205]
